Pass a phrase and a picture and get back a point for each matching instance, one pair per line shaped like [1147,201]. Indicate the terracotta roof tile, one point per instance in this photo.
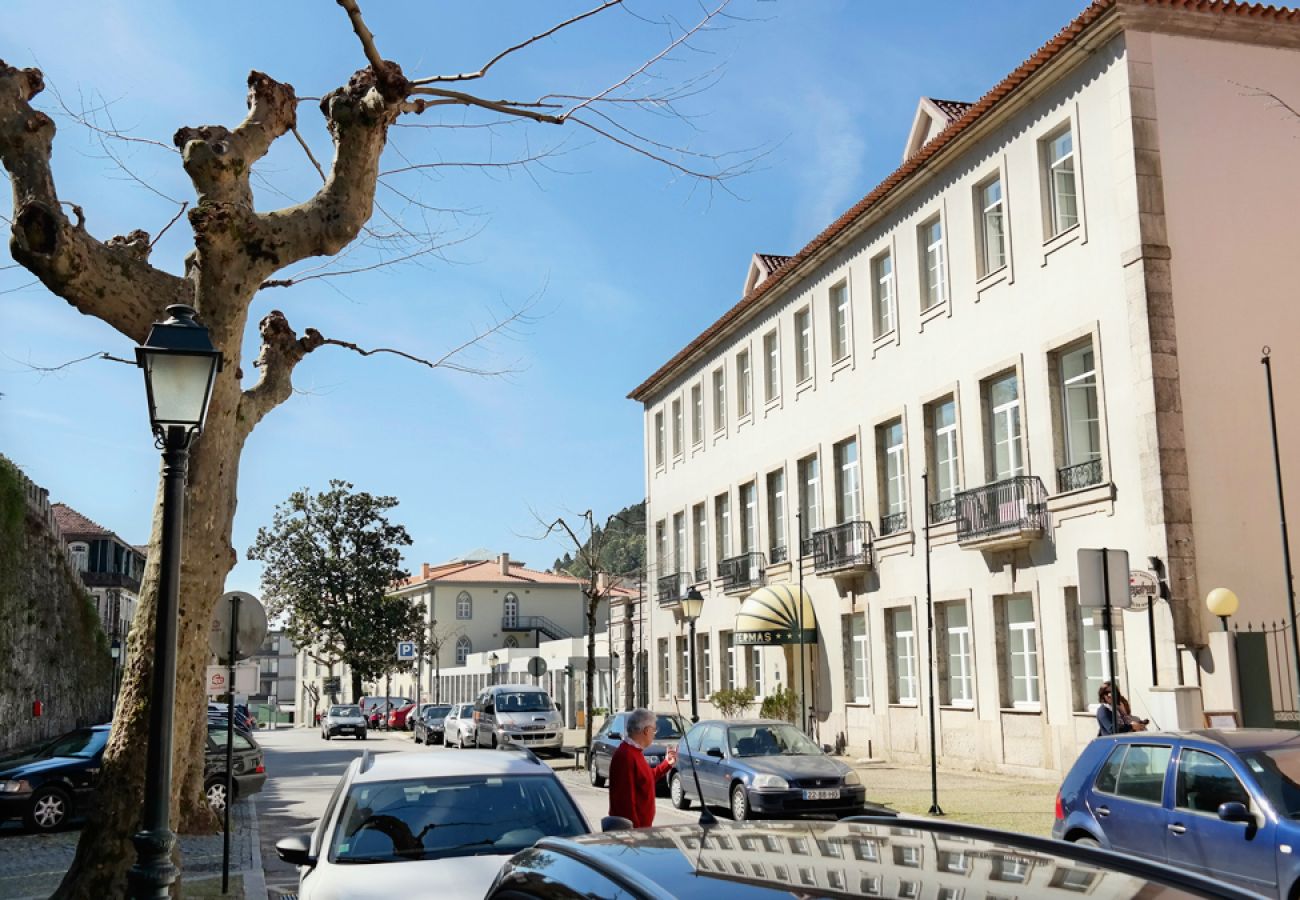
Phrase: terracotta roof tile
[74,524]
[953,109]
[899,177]
[773,261]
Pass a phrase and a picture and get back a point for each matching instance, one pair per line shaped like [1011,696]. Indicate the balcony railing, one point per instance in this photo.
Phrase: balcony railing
[943,510]
[743,571]
[841,548]
[1073,478]
[893,524]
[672,588]
[1002,515]
[806,546]
[778,554]
[701,574]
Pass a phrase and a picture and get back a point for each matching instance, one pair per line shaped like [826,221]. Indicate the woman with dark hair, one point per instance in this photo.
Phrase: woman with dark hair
[1106,714]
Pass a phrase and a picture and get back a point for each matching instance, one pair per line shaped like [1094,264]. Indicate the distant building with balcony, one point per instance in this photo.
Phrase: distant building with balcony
[111,568]
[277,675]
[1030,339]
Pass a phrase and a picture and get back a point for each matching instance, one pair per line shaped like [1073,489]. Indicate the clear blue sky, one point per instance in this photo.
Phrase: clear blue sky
[634,260]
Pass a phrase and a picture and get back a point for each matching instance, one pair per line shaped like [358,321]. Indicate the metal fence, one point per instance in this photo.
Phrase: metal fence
[1267,675]
[1014,505]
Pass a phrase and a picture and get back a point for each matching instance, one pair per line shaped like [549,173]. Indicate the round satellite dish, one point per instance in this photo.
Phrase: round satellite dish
[250,633]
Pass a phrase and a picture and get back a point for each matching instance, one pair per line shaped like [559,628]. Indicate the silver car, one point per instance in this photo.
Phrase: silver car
[343,720]
[458,726]
[517,714]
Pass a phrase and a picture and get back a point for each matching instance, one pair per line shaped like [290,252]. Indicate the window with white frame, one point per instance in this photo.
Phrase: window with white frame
[1062,192]
[719,399]
[727,640]
[1080,416]
[1002,399]
[705,670]
[683,668]
[659,438]
[463,649]
[79,556]
[803,363]
[661,547]
[748,517]
[933,274]
[776,515]
[700,515]
[722,522]
[697,414]
[902,656]
[679,543]
[771,367]
[941,420]
[957,676]
[858,656]
[841,340]
[464,605]
[665,669]
[1089,651]
[847,487]
[882,294]
[1019,662]
[744,385]
[893,477]
[677,427]
[810,514]
[755,669]
[992,226]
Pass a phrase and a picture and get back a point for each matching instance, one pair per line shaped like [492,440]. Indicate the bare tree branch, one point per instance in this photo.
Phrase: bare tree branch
[508,107]
[363,34]
[1270,95]
[101,355]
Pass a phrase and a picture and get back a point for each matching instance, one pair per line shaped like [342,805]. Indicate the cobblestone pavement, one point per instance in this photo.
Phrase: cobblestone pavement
[32,865]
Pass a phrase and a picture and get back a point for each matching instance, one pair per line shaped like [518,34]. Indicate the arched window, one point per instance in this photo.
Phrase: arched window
[512,643]
[464,605]
[80,556]
[510,611]
[462,649]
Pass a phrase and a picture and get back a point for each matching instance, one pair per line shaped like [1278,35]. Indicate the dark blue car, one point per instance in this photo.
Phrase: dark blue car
[54,783]
[1217,803]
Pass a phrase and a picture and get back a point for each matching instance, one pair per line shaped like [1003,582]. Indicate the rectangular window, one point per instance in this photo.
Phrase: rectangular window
[893,477]
[743,385]
[683,669]
[1080,418]
[705,663]
[771,367]
[956,682]
[659,439]
[727,641]
[749,518]
[755,669]
[697,414]
[840,338]
[679,543]
[1019,663]
[1063,209]
[933,277]
[847,487]
[1002,400]
[803,367]
[882,294]
[776,516]
[701,542]
[719,399]
[810,516]
[941,421]
[677,427]
[992,226]
[857,654]
[665,669]
[722,522]
[902,657]
[661,547]
[1089,656]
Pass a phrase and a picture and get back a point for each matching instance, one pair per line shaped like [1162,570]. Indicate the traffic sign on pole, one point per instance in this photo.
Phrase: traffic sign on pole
[406,650]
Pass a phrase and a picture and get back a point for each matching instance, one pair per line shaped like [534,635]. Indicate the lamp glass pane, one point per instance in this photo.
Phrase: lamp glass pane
[179,386]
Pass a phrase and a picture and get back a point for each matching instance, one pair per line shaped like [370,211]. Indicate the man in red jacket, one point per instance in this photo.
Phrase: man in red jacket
[631,780]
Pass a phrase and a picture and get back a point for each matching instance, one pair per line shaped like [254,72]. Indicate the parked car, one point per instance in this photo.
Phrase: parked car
[249,766]
[343,719]
[400,718]
[376,709]
[1219,803]
[458,728]
[428,722]
[55,782]
[854,858]
[410,824]
[761,767]
[669,729]
[519,714]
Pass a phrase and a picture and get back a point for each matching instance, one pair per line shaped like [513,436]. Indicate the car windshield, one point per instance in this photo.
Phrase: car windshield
[436,818]
[82,744]
[437,712]
[769,740]
[1277,771]
[466,711]
[667,728]
[345,710]
[523,701]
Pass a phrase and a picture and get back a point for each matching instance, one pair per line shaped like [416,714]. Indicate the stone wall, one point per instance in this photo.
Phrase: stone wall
[52,647]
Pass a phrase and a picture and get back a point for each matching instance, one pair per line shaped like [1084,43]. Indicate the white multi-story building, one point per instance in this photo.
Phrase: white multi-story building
[1040,334]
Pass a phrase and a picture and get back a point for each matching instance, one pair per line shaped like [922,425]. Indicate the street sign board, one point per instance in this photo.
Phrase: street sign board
[332,684]
[406,650]
[1143,586]
[1092,585]
[245,679]
[252,626]
[537,667]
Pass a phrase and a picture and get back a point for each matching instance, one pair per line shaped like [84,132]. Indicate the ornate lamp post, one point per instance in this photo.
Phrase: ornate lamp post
[1222,603]
[180,367]
[692,605]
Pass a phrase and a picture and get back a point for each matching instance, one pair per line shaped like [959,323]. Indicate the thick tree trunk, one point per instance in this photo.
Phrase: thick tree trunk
[356,686]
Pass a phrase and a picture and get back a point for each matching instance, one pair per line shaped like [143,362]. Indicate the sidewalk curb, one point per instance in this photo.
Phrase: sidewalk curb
[255,878]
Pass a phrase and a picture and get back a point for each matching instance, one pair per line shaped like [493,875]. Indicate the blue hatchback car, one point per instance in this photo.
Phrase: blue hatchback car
[1219,803]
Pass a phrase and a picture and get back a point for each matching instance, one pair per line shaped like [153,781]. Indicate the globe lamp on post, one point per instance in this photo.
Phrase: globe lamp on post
[1222,603]
[692,605]
[180,368]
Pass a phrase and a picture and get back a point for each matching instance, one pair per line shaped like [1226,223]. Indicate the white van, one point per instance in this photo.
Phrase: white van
[519,714]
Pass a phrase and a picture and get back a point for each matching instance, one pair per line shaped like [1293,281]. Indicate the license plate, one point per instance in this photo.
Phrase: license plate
[830,794]
[345,728]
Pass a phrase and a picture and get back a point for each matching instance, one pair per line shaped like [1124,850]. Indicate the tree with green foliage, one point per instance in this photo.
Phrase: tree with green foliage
[331,559]
[618,548]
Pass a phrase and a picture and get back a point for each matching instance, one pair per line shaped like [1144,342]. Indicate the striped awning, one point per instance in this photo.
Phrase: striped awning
[776,615]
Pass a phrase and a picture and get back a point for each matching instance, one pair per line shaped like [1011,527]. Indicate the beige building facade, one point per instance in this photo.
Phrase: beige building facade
[1041,334]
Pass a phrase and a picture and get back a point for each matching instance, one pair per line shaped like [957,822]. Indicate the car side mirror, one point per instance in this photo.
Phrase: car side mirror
[615,823]
[615,735]
[294,851]
[714,751]
[1234,811]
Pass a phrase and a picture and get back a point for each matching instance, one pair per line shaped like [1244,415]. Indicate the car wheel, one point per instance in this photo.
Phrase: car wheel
[677,791]
[215,791]
[597,779]
[1086,842]
[740,804]
[48,811]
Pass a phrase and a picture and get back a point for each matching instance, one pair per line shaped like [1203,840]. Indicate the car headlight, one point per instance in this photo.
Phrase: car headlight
[852,778]
[14,787]
[770,783]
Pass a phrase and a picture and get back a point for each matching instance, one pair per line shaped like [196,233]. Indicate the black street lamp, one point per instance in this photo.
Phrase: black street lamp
[492,674]
[180,367]
[692,605]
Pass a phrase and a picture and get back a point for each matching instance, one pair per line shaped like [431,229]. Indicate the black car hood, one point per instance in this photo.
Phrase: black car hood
[794,766]
[23,768]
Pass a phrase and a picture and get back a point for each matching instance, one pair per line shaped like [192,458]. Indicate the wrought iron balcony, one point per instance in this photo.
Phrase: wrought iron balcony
[701,574]
[1073,478]
[943,510]
[672,587]
[893,524]
[1002,515]
[778,554]
[743,571]
[806,546]
[843,548]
